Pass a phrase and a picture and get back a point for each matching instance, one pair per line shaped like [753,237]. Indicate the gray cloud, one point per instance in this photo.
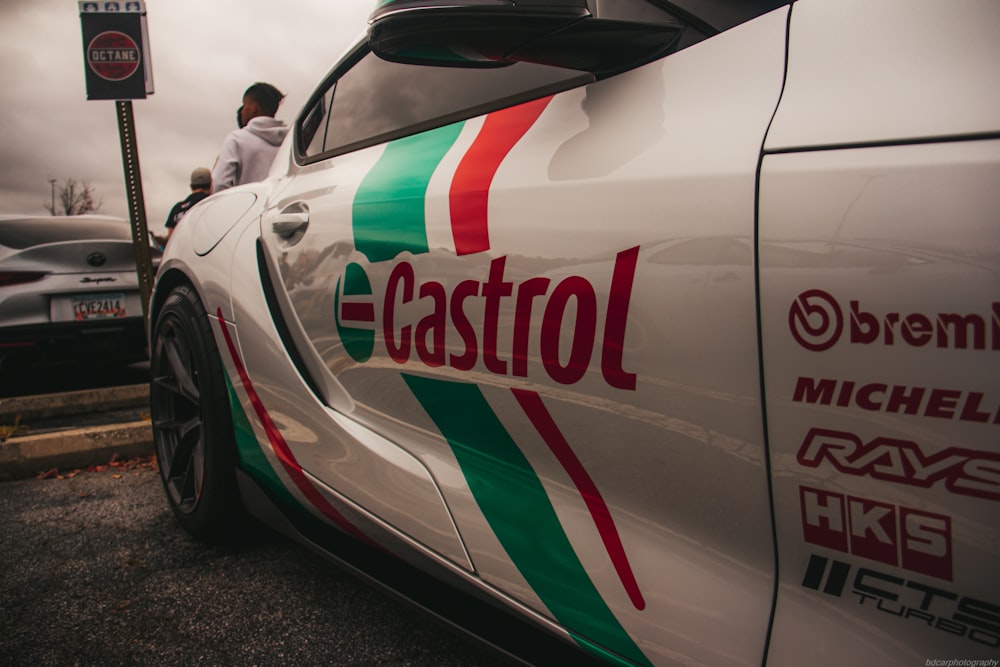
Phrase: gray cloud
[204,56]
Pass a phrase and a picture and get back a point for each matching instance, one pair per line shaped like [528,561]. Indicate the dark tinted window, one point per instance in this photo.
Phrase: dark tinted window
[376,100]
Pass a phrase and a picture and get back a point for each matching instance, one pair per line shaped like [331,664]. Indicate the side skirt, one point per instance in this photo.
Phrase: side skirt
[469,611]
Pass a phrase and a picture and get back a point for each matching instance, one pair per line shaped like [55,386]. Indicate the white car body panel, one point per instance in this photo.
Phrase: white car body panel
[879,282]
[720,388]
[901,254]
[907,70]
[367,469]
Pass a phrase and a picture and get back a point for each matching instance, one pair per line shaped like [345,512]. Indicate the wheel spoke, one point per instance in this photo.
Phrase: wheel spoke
[187,442]
[179,366]
[188,479]
[198,466]
[181,427]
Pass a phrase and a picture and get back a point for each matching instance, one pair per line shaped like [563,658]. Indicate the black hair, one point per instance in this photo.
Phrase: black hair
[266,96]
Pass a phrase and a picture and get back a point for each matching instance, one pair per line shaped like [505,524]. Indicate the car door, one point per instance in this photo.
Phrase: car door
[550,306]
[879,285]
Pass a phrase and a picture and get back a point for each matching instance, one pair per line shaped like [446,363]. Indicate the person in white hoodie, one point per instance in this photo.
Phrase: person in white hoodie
[247,153]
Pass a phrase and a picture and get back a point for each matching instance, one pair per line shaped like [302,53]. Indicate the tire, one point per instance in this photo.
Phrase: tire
[192,423]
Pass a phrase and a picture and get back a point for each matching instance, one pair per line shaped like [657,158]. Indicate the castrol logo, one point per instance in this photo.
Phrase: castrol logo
[564,328]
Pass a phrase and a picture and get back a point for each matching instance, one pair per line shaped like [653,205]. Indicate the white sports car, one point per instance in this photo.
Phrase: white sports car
[671,328]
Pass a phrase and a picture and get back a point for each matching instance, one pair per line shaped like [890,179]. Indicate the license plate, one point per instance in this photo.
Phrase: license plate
[99,306]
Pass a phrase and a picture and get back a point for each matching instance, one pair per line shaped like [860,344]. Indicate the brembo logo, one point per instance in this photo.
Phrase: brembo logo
[497,325]
[815,320]
[818,322]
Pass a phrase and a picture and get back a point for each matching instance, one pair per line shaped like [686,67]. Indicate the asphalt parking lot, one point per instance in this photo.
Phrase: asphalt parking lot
[94,571]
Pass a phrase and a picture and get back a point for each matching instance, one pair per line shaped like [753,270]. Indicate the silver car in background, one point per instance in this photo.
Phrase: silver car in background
[69,290]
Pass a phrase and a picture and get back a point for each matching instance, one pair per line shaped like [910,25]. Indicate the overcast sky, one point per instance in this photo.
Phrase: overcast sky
[205,53]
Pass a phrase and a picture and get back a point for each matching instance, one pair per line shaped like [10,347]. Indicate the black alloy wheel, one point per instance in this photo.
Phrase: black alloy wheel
[192,424]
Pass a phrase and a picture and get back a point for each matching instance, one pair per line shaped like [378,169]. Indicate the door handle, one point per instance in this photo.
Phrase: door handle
[286,225]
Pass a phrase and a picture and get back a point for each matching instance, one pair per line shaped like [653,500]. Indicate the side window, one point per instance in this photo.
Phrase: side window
[312,127]
[377,101]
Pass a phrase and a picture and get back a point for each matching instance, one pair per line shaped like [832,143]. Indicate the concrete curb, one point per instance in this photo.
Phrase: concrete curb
[29,454]
[73,402]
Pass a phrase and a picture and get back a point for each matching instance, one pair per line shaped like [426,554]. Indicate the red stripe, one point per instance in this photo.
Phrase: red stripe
[470,187]
[281,449]
[360,312]
[540,418]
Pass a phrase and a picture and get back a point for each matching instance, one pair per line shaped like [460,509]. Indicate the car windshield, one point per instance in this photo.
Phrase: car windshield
[27,232]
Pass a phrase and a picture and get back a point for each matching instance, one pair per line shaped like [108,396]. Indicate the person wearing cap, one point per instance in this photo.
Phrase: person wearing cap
[201,187]
[247,153]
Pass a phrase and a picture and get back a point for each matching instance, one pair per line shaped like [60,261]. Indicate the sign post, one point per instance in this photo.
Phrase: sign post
[118,67]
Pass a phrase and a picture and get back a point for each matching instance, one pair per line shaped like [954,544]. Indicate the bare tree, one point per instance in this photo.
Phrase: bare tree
[73,198]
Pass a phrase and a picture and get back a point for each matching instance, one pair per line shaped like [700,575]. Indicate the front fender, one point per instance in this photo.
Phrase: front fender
[200,251]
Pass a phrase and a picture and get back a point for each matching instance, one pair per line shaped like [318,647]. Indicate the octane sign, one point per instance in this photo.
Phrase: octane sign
[113,56]
[115,50]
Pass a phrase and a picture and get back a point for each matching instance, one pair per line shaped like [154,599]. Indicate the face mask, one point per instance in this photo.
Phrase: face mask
[239,117]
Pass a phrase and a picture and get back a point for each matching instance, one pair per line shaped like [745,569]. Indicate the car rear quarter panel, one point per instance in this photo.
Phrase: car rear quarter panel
[880,284]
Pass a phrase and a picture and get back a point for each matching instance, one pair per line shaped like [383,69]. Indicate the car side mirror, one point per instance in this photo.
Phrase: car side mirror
[495,33]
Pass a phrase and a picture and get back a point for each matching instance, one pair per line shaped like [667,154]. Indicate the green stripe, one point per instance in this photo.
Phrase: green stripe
[515,504]
[388,214]
[252,458]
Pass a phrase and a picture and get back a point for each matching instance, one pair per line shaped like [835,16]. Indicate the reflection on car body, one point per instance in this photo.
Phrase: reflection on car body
[640,345]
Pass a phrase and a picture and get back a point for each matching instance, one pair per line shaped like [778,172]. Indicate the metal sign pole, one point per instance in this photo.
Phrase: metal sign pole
[117,67]
[136,203]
